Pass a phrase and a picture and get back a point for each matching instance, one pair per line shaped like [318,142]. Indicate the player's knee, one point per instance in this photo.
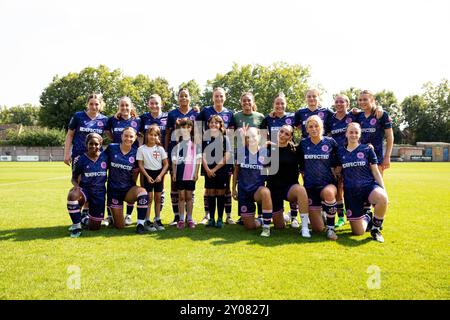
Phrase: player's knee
[265,192]
[73,195]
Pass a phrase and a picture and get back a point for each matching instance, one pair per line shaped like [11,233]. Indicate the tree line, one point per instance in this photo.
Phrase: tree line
[420,117]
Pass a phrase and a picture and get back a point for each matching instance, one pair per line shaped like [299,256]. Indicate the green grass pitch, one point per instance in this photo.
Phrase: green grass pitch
[40,261]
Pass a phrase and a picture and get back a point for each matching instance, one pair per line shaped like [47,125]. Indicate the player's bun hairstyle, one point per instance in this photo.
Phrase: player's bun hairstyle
[91,136]
[218,119]
[154,129]
[248,93]
[133,112]
[97,96]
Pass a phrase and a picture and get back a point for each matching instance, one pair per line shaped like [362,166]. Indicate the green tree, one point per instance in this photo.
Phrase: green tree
[66,95]
[27,115]
[265,82]
[387,100]
[427,116]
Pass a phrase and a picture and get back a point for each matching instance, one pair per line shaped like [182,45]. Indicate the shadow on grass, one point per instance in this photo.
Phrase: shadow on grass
[228,235]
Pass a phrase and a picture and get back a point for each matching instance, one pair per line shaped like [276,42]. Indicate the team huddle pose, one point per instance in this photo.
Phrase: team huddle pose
[339,157]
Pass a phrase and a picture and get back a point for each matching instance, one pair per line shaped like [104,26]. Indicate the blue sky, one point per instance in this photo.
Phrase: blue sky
[396,45]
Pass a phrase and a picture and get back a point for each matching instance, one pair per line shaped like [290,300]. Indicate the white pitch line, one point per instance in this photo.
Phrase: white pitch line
[32,181]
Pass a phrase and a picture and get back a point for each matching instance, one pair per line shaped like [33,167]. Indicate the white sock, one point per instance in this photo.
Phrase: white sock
[77,226]
[140,221]
[305,219]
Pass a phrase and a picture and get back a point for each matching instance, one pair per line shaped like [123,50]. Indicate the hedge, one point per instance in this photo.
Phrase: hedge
[36,137]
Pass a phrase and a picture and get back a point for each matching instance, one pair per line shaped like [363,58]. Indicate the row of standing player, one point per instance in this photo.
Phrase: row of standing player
[373,127]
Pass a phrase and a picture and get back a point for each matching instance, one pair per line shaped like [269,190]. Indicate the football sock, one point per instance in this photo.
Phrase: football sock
[174,198]
[220,207]
[162,200]
[304,217]
[130,207]
[228,201]
[142,205]
[340,209]
[74,211]
[109,211]
[294,209]
[330,210]
[206,202]
[84,213]
[377,222]
[212,206]
[267,217]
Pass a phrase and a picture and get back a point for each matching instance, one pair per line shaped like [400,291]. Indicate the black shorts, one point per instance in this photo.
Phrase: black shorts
[219,181]
[96,201]
[116,198]
[153,187]
[279,195]
[188,185]
[314,199]
[356,199]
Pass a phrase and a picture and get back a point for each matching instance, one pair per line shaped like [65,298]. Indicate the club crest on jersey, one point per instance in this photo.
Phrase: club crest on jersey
[156,154]
[321,114]
[261,159]
[360,155]
[373,121]
[348,120]
[103,165]
[100,124]
[164,121]
[244,209]
[134,124]
[288,121]
[192,117]
[325,148]
[131,159]
[225,118]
